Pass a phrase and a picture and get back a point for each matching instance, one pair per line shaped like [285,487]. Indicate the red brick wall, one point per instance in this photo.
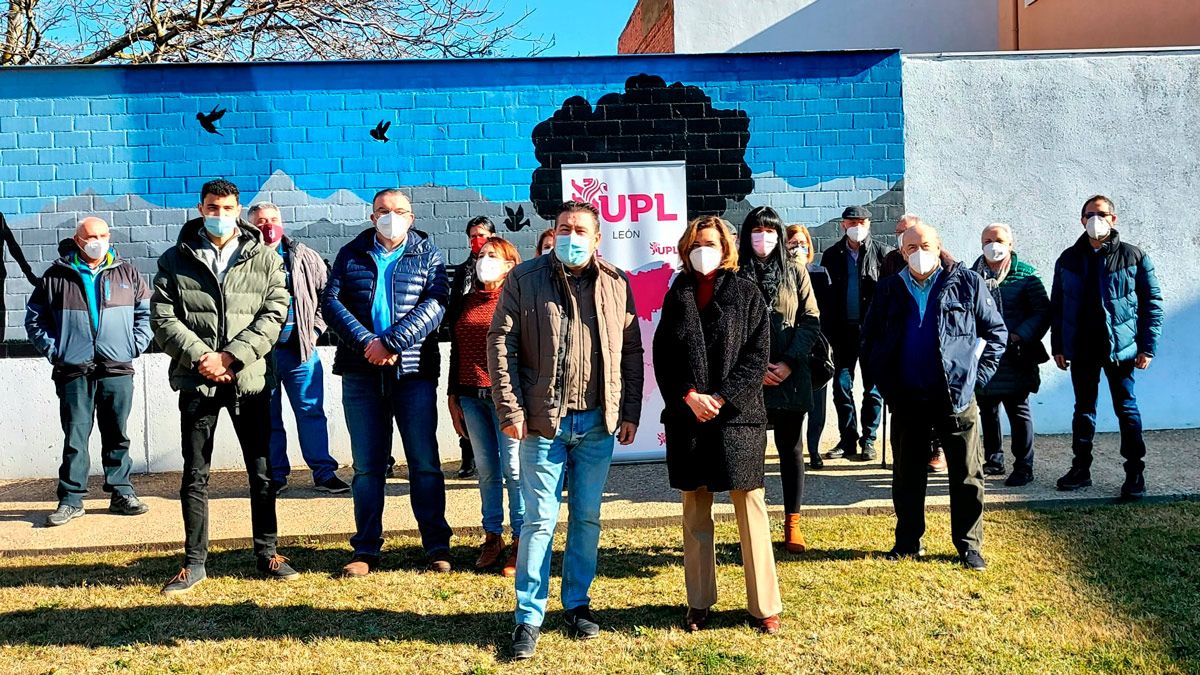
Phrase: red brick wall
[650,30]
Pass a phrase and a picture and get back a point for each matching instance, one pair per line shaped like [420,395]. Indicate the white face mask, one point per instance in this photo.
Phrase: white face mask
[922,262]
[705,259]
[858,233]
[763,243]
[996,251]
[489,269]
[95,249]
[392,226]
[547,249]
[1098,228]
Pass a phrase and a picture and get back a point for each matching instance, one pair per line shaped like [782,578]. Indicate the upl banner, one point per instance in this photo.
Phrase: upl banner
[643,212]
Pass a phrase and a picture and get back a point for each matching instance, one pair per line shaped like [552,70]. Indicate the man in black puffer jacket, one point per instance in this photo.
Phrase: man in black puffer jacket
[90,316]
[385,300]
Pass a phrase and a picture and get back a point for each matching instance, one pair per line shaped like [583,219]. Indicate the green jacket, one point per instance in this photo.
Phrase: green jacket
[192,314]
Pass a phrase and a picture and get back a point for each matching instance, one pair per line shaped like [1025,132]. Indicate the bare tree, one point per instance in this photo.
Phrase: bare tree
[164,31]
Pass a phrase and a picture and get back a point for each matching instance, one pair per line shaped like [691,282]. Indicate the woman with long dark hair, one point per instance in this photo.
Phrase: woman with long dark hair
[710,355]
[795,322]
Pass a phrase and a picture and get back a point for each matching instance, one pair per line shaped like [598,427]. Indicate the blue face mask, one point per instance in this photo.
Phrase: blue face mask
[573,249]
[221,226]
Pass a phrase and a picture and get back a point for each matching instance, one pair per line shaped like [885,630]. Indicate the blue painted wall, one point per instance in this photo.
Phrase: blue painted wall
[825,132]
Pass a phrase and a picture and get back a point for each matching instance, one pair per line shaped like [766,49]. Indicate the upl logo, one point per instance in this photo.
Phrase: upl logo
[621,207]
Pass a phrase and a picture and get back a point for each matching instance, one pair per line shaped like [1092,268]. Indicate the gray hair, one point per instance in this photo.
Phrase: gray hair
[1002,226]
[261,206]
[910,218]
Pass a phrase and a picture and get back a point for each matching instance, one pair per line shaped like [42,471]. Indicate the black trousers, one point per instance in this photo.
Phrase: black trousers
[251,417]
[914,426]
[787,426]
[1020,422]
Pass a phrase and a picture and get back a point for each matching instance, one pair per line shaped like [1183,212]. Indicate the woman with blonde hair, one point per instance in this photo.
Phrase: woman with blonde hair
[710,357]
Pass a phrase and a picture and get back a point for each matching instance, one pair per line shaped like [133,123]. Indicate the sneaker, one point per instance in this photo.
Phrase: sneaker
[865,454]
[816,463]
[1134,486]
[1076,478]
[332,485]
[360,566]
[439,562]
[490,551]
[279,488]
[277,568]
[127,505]
[467,471]
[1019,477]
[767,626]
[390,471]
[696,620]
[524,641]
[581,623]
[185,580]
[64,514]
[897,554]
[937,463]
[842,449]
[993,469]
[973,561]
[510,565]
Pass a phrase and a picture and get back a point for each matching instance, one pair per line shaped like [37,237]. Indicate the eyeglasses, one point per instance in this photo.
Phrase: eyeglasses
[399,212]
[1102,214]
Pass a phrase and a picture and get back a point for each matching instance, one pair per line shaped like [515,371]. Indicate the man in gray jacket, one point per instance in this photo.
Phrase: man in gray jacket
[90,316]
[297,364]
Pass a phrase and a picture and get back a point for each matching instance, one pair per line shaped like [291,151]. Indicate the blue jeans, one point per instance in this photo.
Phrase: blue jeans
[498,464]
[305,385]
[372,401]
[107,400]
[846,345]
[1085,379]
[581,451]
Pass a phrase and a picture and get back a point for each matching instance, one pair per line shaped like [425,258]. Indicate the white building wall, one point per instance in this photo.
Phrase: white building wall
[705,26]
[1026,138]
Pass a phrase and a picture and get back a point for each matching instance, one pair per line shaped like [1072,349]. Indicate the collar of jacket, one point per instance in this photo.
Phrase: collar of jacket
[416,243]
[192,236]
[68,249]
[1084,243]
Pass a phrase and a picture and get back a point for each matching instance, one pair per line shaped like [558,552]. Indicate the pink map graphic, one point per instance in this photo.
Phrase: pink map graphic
[649,286]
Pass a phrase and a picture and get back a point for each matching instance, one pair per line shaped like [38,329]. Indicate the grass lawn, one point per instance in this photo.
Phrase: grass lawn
[1107,589]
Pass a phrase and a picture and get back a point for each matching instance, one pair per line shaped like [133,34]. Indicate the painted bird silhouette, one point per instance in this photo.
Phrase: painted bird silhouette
[206,121]
[379,133]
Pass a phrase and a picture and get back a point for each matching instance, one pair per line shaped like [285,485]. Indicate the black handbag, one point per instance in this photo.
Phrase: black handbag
[820,362]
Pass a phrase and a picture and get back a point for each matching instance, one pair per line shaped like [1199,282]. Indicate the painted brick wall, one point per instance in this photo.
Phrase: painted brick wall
[824,132]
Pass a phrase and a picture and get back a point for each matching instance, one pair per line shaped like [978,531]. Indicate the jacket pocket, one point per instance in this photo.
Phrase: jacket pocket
[957,319]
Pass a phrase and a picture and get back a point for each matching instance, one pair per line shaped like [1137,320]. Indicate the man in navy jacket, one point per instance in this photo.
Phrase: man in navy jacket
[90,316]
[1106,315]
[385,300]
[933,333]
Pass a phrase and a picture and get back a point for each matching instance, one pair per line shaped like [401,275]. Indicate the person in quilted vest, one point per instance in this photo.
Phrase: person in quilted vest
[385,299]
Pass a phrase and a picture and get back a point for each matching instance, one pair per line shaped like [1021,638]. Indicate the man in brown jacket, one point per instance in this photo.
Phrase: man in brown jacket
[565,359]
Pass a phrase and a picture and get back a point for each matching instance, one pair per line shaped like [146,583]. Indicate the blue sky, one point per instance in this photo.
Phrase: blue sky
[579,28]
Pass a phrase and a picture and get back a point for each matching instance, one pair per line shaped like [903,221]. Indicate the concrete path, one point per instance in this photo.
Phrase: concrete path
[636,495]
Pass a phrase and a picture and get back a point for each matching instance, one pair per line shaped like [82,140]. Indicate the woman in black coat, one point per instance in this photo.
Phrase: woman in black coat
[795,326]
[710,356]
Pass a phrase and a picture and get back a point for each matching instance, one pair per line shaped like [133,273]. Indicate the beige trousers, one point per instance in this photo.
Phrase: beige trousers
[758,559]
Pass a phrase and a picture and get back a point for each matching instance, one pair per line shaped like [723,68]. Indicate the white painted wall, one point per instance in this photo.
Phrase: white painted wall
[31,436]
[1026,138]
[706,26]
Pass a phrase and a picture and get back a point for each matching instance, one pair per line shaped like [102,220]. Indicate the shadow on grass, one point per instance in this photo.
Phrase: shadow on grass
[174,624]
[1143,559]
[156,568]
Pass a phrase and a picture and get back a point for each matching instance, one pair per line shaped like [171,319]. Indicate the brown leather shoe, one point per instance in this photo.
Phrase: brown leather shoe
[490,551]
[358,567]
[510,565]
[767,626]
[697,619]
[937,463]
[793,537]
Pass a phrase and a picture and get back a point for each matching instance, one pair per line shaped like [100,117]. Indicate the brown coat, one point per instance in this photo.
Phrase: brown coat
[527,353]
